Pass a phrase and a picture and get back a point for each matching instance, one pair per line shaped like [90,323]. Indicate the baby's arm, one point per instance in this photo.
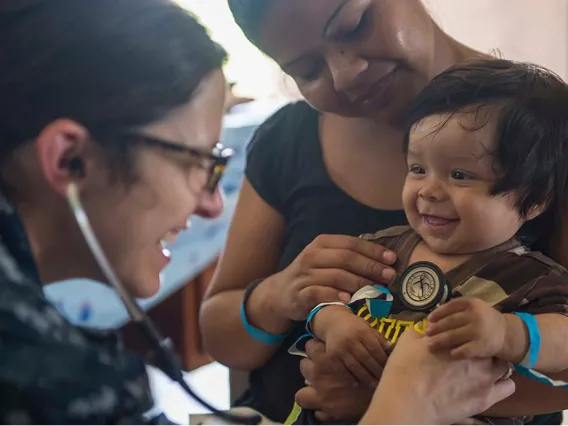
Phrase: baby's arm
[325,319]
[350,342]
[472,328]
[543,297]
[553,354]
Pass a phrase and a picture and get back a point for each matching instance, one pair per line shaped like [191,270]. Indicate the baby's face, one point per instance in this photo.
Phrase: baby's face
[446,194]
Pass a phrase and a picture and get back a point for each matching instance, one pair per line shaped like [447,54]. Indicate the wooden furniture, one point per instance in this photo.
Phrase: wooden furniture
[178,318]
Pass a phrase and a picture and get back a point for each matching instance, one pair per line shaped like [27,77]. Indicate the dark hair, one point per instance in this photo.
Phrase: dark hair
[530,104]
[106,64]
[248,15]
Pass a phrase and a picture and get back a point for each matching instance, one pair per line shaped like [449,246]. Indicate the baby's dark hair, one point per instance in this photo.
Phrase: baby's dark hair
[248,15]
[530,106]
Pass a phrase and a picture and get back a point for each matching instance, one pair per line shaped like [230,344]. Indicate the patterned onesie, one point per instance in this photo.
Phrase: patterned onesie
[509,277]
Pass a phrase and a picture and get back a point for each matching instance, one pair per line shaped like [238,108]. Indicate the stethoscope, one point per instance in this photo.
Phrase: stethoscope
[165,357]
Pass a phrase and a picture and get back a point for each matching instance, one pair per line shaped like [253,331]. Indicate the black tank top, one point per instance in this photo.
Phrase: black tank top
[285,166]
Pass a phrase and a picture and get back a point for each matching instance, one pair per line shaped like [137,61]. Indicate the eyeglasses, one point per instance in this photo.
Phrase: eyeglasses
[216,160]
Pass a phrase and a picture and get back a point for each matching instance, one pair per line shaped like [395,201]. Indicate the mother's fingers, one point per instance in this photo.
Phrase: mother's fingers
[354,262]
[377,345]
[323,417]
[308,399]
[359,369]
[358,245]
[310,296]
[318,365]
[315,350]
[307,368]
[326,285]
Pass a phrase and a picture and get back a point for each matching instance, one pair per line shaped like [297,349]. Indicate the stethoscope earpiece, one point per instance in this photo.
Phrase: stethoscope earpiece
[76,167]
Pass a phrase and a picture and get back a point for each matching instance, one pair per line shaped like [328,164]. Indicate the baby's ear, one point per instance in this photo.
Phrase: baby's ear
[534,212]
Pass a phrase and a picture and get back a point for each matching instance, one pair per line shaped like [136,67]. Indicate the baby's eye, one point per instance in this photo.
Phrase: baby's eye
[459,175]
[417,170]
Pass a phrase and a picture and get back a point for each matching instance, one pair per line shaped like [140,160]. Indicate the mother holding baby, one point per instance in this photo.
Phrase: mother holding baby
[317,178]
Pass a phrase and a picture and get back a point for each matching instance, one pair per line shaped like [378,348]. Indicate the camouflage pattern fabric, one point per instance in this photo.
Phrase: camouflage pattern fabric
[52,372]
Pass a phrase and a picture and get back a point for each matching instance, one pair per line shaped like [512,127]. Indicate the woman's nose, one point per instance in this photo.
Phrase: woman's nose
[210,205]
[345,67]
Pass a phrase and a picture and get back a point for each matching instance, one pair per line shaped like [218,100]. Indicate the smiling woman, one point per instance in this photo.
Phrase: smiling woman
[337,76]
[91,100]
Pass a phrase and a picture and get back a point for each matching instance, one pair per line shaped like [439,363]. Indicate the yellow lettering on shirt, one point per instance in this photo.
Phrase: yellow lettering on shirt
[391,328]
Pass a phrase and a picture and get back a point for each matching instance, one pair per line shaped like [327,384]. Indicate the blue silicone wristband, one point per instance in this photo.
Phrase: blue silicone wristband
[534,339]
[311,317]
[313,313]
[257,334]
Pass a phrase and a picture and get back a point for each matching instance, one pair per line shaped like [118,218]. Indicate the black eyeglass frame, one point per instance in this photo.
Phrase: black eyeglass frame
[219,156]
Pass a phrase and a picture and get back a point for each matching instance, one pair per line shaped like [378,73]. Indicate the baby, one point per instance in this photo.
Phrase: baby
[487,153]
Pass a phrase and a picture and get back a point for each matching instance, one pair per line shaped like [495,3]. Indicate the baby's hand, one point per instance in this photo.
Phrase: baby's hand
[469,328]
[353,345]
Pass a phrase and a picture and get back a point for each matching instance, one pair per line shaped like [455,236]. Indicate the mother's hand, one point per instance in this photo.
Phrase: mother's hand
[332,394]
[328,270]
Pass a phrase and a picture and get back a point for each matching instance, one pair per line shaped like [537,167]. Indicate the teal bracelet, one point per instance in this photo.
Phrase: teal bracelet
[256,333]
[313,313]
[534,339]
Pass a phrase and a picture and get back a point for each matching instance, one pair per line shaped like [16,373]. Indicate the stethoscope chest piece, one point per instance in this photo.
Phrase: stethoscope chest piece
[422,286]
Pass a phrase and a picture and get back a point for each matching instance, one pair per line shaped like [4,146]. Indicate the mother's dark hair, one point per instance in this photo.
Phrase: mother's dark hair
[105,64]
[248,15]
